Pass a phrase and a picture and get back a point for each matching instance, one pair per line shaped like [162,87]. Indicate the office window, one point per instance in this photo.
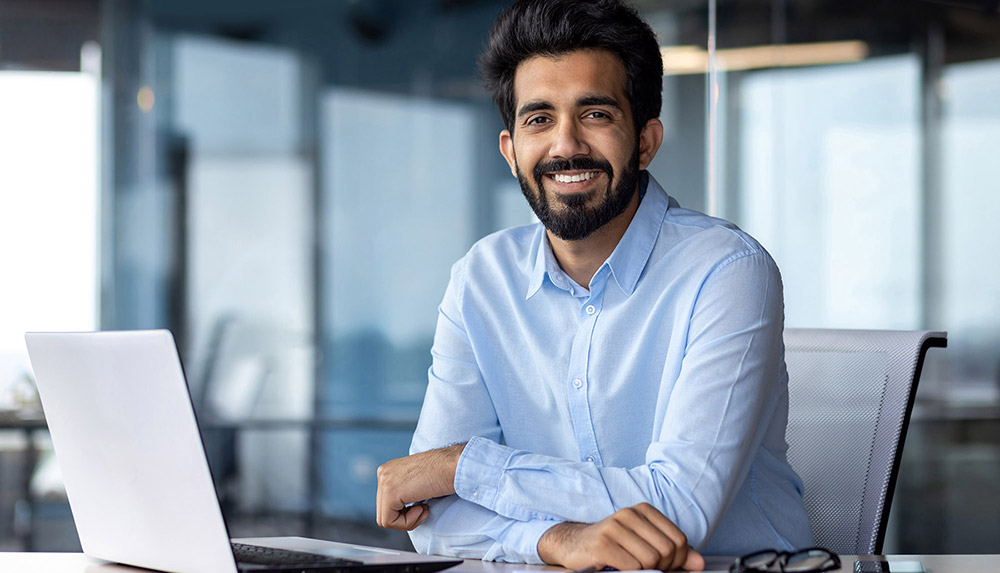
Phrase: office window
[399,179]
[246,184]
[829,183]
[969,211]
[49,217]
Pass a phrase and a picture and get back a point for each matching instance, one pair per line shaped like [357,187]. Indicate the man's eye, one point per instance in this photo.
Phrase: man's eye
[537,120]
[598,115]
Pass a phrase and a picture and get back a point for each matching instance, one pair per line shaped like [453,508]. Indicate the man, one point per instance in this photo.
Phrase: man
[609,386]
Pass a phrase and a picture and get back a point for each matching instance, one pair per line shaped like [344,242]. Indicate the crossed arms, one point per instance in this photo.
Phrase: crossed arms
[488,500]
[637,537]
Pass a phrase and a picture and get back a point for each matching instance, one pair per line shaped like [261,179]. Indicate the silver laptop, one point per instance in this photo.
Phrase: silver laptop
[139,486]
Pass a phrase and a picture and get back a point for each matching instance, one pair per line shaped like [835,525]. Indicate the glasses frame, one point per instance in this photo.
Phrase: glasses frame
[781,558]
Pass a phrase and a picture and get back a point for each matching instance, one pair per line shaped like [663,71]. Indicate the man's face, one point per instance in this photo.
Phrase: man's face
[574,148]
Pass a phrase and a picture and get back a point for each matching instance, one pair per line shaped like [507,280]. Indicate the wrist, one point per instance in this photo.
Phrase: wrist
[552,543]
[449,467]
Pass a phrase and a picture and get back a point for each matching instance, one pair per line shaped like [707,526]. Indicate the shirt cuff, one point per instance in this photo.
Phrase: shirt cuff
[520,541]
[477,476]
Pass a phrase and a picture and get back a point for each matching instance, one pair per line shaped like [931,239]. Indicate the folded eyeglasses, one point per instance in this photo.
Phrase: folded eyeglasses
[812,560]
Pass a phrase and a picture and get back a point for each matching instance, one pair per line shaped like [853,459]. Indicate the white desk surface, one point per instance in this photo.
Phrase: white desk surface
[11,562]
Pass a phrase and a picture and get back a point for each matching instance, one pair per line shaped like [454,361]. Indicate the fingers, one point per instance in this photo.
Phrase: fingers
[638,537]
[391,511]
[597,545]
[694,561]
[654,541]
[404,518]
[413,478]
[677,545]
[651,541]
[415,515]
[410,517]
[617,556]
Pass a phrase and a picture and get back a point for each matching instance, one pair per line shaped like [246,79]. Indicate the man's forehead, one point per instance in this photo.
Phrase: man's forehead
[594,71]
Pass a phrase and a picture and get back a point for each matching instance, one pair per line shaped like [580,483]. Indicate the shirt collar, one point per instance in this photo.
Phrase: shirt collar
[629,257]
[545,264]
[632,253]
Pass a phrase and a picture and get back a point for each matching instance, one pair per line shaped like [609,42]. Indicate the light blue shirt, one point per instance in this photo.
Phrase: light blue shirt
[664,383]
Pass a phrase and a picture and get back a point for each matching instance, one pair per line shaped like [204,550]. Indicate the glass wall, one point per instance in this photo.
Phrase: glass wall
[286,186]
[853,142]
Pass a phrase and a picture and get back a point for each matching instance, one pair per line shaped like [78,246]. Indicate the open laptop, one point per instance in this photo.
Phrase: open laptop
[137,478]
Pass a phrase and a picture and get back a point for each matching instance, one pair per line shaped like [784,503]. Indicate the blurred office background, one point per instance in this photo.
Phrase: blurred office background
[285,185]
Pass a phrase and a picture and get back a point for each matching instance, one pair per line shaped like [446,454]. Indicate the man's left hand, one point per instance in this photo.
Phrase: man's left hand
[419,477]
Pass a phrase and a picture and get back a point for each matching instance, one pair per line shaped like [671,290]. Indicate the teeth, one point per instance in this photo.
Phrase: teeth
[574,178]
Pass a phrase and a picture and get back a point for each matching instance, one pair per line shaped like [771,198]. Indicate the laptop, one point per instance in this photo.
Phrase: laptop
[124,431]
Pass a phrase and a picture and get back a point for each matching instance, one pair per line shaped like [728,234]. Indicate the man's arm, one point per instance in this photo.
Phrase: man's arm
[456,408]
[721,404]
[638,537]
[416,478]
[720,407]
[728,390]
[460,528]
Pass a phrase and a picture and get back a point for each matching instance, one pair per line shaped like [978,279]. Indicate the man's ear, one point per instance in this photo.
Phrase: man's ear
[650,139]
[507,150]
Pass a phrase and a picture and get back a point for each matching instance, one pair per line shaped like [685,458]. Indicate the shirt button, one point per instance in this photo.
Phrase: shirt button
[590,458]
[591,309]
[577,383]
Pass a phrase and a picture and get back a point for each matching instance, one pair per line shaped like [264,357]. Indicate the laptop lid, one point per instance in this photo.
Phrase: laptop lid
[124,429]
[128,445]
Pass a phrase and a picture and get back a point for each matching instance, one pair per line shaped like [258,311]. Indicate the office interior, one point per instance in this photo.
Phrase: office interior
[285,185]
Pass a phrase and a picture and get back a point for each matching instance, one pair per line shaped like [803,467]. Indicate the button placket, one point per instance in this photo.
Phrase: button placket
[579,383]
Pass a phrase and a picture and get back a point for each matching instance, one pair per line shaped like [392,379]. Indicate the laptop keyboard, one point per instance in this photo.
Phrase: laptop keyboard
[258,554]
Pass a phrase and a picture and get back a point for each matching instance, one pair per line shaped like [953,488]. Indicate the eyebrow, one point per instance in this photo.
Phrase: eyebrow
[598,100]
[586,100]
[533,106]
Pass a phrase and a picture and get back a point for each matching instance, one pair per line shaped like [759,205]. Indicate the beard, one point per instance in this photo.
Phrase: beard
[574,218]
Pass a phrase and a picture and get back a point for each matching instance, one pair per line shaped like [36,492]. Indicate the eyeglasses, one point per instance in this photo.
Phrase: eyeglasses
[812,560]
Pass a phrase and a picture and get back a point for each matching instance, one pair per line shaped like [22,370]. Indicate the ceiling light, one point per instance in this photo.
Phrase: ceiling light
[679,60]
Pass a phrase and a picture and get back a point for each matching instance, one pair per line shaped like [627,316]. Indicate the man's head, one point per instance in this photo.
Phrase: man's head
[530,28]
[578,84]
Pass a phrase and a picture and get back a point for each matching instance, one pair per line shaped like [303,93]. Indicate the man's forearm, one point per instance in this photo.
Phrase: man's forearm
[412,479]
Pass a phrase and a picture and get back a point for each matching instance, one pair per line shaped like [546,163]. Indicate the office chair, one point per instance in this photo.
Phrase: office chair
[850,394]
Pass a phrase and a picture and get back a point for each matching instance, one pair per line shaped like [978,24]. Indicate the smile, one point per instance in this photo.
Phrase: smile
[575,178]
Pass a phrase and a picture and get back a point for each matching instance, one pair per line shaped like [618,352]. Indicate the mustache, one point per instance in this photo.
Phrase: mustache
[578,164]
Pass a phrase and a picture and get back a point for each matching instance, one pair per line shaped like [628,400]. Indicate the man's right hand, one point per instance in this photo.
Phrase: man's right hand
[637,537]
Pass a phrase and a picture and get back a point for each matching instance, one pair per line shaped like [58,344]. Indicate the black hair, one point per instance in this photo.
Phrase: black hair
[531,28]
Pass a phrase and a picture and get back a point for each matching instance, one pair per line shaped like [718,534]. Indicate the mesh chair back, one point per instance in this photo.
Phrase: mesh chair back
[850,393]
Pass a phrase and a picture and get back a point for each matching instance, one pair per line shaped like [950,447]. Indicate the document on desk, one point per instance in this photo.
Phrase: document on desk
[888,567]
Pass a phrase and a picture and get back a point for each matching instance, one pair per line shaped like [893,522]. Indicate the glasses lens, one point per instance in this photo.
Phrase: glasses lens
[762,561]
[806,561]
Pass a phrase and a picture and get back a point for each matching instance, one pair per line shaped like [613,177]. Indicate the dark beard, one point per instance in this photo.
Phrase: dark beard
[576,220]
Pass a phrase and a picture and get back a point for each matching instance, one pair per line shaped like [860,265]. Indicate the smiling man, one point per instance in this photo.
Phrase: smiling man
[608,387]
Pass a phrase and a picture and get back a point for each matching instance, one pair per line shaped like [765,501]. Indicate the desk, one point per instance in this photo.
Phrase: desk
[79,563]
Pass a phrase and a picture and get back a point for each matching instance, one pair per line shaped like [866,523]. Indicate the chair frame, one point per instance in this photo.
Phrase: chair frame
[934,339]
[926,340]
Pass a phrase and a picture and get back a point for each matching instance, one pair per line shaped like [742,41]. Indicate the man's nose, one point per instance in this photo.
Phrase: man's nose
[568,141]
